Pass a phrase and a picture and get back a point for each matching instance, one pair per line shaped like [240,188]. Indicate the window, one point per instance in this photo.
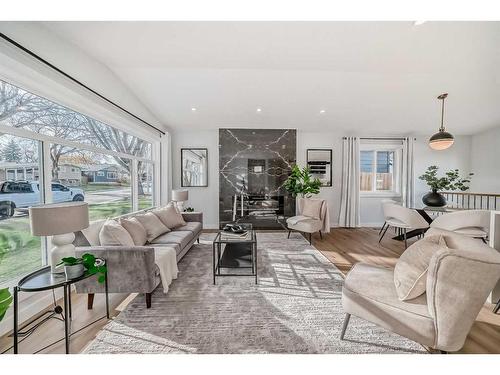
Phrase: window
[379,170]
[86,160]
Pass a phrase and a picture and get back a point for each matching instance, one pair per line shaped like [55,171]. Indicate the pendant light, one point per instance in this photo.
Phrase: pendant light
[442,139]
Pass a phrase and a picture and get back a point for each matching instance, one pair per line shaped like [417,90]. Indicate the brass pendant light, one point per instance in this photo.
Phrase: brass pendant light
[442,139]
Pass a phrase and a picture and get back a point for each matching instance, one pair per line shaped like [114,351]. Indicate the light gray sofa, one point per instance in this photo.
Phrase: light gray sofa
[132,269]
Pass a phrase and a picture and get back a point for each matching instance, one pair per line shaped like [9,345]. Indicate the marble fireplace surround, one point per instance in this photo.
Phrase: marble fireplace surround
[253,166]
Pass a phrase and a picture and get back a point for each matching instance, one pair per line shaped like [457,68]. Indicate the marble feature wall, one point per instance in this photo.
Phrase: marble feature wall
[253,166]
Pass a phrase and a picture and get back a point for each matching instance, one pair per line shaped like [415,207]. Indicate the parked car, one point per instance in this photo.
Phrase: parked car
[23,194]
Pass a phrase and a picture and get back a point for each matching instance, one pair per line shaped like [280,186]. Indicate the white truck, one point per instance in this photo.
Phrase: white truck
[23,194]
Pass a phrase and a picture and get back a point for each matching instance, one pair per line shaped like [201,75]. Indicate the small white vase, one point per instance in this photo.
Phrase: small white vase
[74,271]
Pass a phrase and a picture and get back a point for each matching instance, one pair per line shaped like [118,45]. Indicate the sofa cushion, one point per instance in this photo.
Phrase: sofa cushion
[193,226]
[170,216]
[410,273]
[92,232]
[181,238]
[135,229]
[113,234]
[154,227]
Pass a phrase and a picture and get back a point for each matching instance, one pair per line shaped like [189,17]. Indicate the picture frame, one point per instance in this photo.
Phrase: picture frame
[319,162]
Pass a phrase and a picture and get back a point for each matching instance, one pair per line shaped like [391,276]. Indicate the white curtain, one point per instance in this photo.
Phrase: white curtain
[408,173]
[349,199]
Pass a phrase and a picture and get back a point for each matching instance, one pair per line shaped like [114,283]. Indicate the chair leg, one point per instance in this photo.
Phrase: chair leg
[484,240]
[497,307]
[310,238]
[148,300]
[383,234]
[381,229]
[198,240]
[90,301]
[321,235]
[289,231]
[344,326]
[406,242]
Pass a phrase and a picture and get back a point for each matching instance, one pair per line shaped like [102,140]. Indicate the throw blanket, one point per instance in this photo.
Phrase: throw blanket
[165,259]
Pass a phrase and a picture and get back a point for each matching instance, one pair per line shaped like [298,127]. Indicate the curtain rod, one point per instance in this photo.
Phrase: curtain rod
[41,59]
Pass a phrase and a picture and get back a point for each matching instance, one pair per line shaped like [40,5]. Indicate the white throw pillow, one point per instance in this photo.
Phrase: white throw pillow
[170,216]
[113,234]
[312,208]
[135,229]
[410,273]
[154,227]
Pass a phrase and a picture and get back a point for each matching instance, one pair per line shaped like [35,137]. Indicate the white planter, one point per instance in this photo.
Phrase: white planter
[74,271]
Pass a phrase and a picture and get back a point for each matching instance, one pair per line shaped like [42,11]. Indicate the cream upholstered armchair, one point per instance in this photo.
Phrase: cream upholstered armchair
[402,218]
[470,223]
[313,217]
[459,280]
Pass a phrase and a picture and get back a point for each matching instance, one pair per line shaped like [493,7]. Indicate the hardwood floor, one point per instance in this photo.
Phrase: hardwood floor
[343,247]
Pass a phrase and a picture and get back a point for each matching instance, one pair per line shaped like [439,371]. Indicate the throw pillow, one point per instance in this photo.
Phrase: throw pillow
[312,208]
[170,216]
[113,234]
[154,227]
[410,273]
[135,229]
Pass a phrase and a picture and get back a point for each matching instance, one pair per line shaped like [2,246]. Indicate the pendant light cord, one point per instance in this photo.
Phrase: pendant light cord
[442,116]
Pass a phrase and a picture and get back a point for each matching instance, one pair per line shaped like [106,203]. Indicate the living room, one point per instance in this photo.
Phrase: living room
[262,187]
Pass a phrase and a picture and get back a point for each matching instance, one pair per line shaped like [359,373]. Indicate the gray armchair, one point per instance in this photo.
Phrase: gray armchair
[458,282]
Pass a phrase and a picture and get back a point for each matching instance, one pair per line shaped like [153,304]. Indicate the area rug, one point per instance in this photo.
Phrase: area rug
[295,308]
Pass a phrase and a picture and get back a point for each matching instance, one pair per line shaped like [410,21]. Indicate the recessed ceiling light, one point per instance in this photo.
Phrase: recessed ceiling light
[418,23]
[322,111]
[193,109]
[259,109]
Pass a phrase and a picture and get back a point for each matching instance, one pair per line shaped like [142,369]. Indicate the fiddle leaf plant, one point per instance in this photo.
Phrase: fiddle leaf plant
[5,301]
[450,181]
[300,182]
[91,264]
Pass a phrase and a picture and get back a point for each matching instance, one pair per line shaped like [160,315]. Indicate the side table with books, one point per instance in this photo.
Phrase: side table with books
[235,247]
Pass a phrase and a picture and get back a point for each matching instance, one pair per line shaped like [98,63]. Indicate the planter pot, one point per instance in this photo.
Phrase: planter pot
[434,199]
[74,271]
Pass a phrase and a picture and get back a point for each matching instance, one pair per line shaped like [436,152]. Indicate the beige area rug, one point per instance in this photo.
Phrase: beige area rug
[295,308]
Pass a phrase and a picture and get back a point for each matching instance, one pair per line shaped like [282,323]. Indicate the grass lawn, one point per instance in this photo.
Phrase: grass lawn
[101,187]
[20,252]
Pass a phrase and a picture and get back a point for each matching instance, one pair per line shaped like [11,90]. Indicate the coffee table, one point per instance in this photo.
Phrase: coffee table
[235,253]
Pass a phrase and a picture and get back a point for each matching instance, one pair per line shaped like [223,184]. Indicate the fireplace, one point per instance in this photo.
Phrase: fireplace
[253,166]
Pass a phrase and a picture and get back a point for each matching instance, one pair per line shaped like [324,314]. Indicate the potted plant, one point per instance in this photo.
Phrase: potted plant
[300,182]
[450,181]
[75,267]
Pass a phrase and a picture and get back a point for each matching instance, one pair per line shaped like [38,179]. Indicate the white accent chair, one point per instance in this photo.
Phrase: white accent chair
[403,218]
[470,223]
[459,280]
[384,202]
[310,225]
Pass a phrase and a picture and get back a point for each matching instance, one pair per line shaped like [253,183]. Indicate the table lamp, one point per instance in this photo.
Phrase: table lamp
[59,220]
[179,197]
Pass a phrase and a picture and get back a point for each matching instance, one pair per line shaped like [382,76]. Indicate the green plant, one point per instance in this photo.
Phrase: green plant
[90,262]
[301,182]
[189,209]
[5,301]
[450,181]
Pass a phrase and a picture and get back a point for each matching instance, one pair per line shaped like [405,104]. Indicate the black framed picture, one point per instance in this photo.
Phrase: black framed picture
[194,167]
[319,162]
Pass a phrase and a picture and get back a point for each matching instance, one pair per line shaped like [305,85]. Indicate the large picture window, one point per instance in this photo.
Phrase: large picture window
[78,157]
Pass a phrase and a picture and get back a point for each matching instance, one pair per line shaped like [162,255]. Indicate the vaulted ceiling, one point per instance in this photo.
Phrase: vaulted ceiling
[369,77]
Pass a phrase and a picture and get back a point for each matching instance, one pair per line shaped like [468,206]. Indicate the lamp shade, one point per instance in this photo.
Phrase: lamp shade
[58,218]
[441,140]
[180,195]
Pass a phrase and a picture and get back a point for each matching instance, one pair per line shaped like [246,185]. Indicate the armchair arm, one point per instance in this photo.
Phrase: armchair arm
[131,269]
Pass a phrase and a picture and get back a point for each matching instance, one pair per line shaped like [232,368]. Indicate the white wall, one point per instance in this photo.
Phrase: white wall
[485,161]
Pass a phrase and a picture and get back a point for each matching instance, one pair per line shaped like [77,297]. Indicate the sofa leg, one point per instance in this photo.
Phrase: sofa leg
[90,301]
[289,231]
[198,240]
[148,300]
[443,352]
[320,235]
[344,326]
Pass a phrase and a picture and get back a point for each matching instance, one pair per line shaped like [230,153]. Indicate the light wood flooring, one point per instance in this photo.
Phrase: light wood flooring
[343,247]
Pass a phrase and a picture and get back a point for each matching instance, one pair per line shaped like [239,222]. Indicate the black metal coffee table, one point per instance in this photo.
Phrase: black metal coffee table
[42,280]
[235,253]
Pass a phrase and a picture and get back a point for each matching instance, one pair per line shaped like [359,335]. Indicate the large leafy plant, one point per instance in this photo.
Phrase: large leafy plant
[300,182]
[5,301]
[450,181]
[91,264]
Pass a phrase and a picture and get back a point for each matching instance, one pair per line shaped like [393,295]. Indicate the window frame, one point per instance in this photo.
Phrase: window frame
[396,178]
